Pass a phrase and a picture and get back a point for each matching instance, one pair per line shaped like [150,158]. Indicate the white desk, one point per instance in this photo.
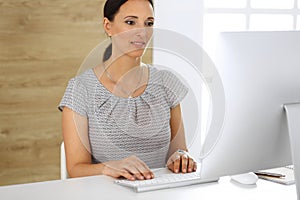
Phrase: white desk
[102,187]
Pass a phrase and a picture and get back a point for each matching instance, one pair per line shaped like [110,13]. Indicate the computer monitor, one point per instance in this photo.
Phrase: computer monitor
[260,72]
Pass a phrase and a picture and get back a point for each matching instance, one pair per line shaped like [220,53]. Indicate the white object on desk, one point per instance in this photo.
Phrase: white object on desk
[164,178]
[287,175]
[96,187]
[63,164]
[245,179]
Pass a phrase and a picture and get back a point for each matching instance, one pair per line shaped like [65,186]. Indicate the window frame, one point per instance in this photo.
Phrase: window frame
[248,11]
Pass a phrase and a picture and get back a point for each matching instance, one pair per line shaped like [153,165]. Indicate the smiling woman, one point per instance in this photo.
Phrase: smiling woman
[123,117]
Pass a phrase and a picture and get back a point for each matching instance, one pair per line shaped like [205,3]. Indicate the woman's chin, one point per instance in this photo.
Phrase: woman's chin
[136,53]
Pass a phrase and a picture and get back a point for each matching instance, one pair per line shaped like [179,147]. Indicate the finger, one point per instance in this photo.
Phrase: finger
[138,174]
[145,171]
[190,165]
[184,163]
[148,171]
[146,174]
[171,166]
[132,169]
[176,165]
[140,169]
[117,172]
[127,175]
[195,166]
[172,158]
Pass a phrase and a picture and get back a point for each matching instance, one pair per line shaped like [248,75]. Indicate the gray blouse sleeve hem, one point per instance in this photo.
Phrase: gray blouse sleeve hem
[75,98]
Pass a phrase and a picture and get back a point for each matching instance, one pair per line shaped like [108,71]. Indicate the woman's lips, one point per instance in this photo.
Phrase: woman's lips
[138,44]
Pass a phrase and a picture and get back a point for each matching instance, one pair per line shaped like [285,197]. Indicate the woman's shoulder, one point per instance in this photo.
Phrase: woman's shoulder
[84,78]
[157,70]
[161,73]
[82,83]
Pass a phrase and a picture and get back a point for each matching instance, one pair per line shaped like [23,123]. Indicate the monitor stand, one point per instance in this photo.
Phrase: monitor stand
[293,122]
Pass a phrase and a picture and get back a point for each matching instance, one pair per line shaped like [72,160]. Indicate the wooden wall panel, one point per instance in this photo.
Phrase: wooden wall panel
[42,44]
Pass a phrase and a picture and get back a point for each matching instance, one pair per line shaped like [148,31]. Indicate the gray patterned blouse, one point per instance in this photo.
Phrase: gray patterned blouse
[120,127]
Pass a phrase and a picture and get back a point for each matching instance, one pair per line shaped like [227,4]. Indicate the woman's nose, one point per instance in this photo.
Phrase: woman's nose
[142,32]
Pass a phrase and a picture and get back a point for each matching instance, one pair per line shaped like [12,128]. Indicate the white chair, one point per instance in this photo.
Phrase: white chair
[63,166]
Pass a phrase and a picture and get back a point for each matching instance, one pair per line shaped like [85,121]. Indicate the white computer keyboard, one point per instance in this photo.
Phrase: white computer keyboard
[164,180]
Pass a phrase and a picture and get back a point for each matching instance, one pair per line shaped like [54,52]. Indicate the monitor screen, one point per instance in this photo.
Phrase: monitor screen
[260,72]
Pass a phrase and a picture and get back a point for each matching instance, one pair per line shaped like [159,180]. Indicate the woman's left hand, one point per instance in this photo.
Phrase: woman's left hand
[181,161]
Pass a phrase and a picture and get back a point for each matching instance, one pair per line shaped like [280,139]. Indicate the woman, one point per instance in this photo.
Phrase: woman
[122,118]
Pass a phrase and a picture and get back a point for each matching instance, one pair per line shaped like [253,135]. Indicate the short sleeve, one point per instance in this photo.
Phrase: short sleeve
[175,89]
[75,97]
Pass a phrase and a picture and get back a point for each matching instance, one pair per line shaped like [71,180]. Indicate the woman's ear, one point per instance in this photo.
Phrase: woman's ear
[107,26]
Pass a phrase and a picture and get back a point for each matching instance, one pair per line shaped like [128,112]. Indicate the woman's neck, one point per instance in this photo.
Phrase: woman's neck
[122,65]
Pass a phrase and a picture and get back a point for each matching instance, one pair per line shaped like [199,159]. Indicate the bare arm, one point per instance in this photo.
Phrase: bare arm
[177,131]
[179,162]
[78,156]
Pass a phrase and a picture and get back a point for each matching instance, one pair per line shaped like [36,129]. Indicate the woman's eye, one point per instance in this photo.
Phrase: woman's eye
[150,23]
[130,22]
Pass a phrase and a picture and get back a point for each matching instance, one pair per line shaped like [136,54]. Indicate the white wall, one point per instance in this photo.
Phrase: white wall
[184,17]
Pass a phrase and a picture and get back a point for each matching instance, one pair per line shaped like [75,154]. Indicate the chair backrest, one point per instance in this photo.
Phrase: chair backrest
[63,166]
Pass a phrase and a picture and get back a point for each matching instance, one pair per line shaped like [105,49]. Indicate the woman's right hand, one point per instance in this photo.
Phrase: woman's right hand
[131,168]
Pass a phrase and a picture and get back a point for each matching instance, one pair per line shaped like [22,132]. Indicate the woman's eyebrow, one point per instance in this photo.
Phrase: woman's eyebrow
[136,17]
[131,16]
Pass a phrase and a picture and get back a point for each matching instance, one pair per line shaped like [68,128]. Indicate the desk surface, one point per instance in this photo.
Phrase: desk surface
[96,187]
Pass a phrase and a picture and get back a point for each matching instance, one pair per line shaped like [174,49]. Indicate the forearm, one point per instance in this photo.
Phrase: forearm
[177,143]
[86,169]
[177,131]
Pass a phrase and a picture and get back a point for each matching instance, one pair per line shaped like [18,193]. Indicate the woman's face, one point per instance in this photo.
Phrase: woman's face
[131,28]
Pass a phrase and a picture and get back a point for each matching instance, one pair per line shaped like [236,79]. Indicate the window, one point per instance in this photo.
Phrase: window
[271,22]
[272,4]
[215,23]
[252,15]
[225,3]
